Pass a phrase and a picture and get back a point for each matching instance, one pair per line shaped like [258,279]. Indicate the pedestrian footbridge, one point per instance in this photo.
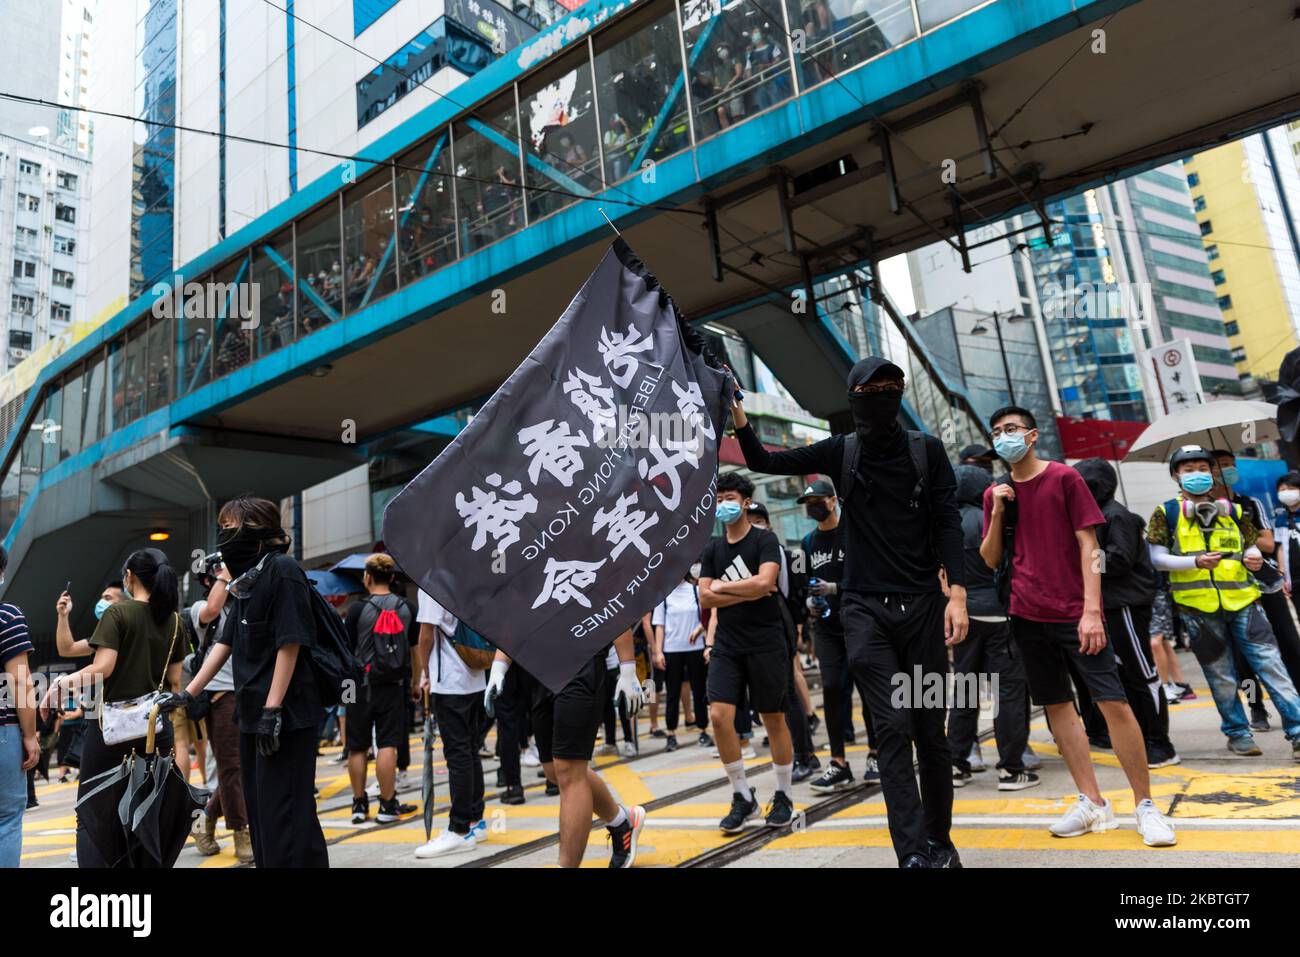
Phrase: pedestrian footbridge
[762,156]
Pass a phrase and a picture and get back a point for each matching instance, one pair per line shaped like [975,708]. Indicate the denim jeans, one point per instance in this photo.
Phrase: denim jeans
[1213,637]
[13,795]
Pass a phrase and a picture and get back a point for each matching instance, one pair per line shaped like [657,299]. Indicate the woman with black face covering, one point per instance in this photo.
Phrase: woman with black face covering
[270,631]
[136,645]
[901,528]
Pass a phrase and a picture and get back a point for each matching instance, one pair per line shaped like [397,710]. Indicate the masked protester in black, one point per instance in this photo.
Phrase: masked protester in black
[900,528]
[270,632]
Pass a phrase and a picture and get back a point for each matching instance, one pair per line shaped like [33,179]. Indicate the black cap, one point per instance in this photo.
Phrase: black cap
[975,451]
[869,368]
[758,508]
[820,488]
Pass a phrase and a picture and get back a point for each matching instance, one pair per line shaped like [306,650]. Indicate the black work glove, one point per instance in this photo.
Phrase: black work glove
[268,732]
[171,700]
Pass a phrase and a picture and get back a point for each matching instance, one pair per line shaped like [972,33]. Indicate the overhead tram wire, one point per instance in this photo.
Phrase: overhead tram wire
[344,157]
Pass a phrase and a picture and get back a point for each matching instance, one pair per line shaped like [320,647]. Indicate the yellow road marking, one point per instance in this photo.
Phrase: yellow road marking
[1025,839]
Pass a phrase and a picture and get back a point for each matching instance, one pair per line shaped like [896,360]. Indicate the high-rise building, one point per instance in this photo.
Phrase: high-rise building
[1247,201]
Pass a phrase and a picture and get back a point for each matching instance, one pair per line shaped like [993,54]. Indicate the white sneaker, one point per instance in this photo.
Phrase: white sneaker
[531,758]
[72,856]
[629,749]
[402,780]
[479,830]
[1172,692]
[607,748]
[976,759]
[748,752]
[1154,827]
[446,843]
[373,790]
[1031,761]
[1085,817]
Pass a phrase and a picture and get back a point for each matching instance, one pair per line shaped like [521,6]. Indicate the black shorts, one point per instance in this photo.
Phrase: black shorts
[1049,648]
[661,678]
[565,724]
[381,707]
[765,673]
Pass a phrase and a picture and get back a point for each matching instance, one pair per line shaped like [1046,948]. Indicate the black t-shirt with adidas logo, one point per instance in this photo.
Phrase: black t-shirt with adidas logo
[751,625]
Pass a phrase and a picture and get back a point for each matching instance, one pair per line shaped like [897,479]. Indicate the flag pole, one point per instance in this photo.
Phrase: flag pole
[601,210]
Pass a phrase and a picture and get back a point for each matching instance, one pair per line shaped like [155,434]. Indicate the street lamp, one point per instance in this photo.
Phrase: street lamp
[981,329]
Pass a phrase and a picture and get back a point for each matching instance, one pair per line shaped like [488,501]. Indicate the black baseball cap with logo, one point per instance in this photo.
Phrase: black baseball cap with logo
[819,488]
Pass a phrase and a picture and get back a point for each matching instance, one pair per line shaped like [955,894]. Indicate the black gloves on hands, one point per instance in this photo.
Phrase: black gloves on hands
[268,732]
[171,700]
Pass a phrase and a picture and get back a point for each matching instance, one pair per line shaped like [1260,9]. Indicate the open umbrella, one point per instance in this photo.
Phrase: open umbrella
[332,583]
[426,788]
[1227,424]
[140,812]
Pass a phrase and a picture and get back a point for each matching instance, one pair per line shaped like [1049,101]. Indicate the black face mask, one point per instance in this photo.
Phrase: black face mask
[817,511]
[875,412]
[242,547]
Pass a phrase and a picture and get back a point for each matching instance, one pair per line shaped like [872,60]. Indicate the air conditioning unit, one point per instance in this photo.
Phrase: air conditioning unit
[19,354]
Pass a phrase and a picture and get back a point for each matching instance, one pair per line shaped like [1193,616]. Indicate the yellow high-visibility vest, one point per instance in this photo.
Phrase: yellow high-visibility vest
[1228,585]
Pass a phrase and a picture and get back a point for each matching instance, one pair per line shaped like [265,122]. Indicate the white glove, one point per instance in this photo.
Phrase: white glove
[496,681]
[824,589]
[629,688]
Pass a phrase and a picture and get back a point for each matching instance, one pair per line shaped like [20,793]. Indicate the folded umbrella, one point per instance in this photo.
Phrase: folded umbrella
[97,812]
[426,788]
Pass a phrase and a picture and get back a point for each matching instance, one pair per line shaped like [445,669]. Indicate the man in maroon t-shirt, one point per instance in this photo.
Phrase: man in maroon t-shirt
[1056,619]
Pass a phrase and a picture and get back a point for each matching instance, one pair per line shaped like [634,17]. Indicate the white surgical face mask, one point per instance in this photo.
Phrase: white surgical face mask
[1289,497]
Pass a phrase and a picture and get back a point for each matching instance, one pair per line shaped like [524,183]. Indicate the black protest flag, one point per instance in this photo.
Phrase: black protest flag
[581,493]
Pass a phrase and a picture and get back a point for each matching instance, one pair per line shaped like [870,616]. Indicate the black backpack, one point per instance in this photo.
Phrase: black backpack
[849,473]
[382,644]
[333,665]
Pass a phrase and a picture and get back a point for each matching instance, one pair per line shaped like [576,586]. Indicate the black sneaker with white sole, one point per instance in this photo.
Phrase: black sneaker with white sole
[780,812]
[960,777]
[836,777]
[704,740]
[871,770]
[624,838]
[360,809]
[1017,780]
[742,809]
[393,810]
[671,744]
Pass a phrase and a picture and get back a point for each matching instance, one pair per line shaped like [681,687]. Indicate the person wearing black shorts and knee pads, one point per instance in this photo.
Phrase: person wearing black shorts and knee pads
[738,576]
[565,726]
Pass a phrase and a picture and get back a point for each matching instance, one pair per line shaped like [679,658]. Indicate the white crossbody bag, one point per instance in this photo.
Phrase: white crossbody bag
[122,721]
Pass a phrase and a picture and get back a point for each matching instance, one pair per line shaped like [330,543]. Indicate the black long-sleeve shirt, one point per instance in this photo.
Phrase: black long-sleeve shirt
[890,547]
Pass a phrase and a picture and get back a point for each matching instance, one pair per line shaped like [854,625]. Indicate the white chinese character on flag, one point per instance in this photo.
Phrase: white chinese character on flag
[626,526]
[489,514]
[618,349]
[664,470]
[595,401]
[565,580]
[553,448]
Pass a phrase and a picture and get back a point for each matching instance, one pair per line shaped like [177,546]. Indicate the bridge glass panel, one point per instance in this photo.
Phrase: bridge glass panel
[233,299]
[935,12]
[489,204]
[319,269]
[837,35]
[194,337]
[10,501]
[426,217]
[51,427]
[30,468]
[558,111]
[92,422]
[737,54]
[128,377]
[369,242]
[273,278]
[74,410]
[159,359]
[642,96]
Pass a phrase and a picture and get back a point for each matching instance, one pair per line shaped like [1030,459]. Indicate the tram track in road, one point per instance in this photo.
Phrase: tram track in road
[752,840]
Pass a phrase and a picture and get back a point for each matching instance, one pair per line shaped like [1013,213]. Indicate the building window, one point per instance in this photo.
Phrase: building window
[65,244]
[1198,203]
[28,167]
[67,181]
[20,339]
[1218,277]
[23,269]
[63,278]
[29,203]
[1193,180]
[60,312]
[1239,354]
[1212,252]
[1231,329]
[1207,227]
[23,305]
[25,236]
[1225,303]
[65,214]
